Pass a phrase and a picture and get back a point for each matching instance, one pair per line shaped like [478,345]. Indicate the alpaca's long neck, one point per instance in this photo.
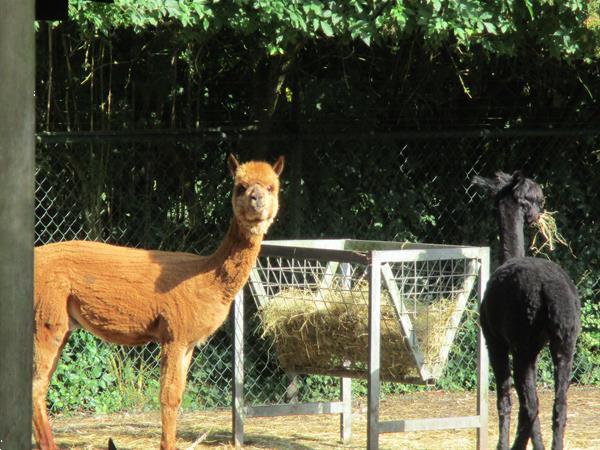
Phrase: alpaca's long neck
[511,222]
[233,260]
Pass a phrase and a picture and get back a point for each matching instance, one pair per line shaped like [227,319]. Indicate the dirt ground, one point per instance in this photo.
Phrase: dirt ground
[141,431]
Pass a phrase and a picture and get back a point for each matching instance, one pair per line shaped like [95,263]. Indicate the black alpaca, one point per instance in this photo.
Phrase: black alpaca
[528,303]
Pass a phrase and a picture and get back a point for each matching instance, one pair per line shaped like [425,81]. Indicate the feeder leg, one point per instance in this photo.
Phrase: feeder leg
[238,370]
[374,359]
[482,395]
[346,416]
[346,383]
[482,362]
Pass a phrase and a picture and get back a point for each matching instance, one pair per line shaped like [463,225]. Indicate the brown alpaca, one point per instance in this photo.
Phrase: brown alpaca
[132,296]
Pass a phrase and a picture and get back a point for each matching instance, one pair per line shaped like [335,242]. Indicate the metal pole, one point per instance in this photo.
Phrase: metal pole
[374,353]
[17,116]
[345,382]
[238,369]
[482,362]
[346,415]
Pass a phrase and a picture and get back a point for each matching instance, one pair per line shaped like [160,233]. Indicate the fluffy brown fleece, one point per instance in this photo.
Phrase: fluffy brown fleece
[133,296]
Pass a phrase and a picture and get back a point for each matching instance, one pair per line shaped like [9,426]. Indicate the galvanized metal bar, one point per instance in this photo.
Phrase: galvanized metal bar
[359,245]
[346,415]
[374,353]
[332,251]
[345,382]
[238,370]
[483,361]
[406,325]
[374,245]
[346,270]
[433,254]
[461,302]
[294,409]
[260,294]
[442,423]
[286,251]
[318,244]
[327,280]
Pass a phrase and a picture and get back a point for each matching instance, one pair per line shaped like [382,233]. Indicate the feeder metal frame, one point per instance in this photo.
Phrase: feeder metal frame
[376,255]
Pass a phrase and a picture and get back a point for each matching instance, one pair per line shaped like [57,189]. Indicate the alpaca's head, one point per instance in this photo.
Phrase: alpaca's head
[255,193]
[515,192]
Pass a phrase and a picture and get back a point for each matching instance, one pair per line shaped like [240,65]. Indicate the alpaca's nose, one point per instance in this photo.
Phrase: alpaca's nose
[257,199]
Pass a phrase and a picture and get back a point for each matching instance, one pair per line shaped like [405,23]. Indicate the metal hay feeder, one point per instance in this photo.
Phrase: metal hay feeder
[368,309]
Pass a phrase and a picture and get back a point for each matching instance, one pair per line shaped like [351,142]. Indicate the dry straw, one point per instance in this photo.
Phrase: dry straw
[326,331]
[140,431]
[550,236]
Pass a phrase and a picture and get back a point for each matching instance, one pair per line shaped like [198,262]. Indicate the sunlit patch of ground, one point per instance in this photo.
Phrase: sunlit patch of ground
[141,431]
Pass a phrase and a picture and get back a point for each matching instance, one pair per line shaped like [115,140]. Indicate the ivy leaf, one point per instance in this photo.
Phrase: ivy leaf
[326,27]
[529,7]
[490,27]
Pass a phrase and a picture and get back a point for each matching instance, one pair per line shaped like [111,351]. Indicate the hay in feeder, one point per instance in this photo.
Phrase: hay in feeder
[550,236]
[326,331]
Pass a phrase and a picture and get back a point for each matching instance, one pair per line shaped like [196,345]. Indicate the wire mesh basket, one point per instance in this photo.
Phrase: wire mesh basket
[313,300]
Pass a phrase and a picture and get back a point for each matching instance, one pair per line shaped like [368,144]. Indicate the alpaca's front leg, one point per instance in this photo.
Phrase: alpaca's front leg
[174,363]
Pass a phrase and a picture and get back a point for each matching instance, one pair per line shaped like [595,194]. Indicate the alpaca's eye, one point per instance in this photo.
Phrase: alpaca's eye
[240,189]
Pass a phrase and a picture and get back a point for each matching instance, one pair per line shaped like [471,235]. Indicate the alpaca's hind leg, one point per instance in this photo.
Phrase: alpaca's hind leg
[562,356]
[48,343]
[498,355]
[174,363]
[529,422]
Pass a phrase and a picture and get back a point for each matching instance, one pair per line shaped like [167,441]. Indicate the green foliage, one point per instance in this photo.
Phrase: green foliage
[498,27]
[136,385]
[82,380]
[592,23]
[588,346]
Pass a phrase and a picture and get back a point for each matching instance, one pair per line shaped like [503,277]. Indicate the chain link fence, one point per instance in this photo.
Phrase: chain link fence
[172,193]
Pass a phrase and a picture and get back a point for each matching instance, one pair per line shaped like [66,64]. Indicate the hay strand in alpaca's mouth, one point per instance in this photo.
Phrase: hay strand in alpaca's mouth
[548,234]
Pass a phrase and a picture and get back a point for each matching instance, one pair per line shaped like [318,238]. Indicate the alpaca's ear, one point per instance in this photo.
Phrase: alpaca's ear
[278,166]
[519,181]
[487,184]
[518,175]
[233,164]
[493,185]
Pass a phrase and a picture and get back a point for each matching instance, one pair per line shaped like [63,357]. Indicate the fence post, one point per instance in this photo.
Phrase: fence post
[17,116]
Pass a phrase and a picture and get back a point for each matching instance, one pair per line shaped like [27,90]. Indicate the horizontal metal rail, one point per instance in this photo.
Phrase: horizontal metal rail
[229,133]
[292,409]
[363,252]
[442,423]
